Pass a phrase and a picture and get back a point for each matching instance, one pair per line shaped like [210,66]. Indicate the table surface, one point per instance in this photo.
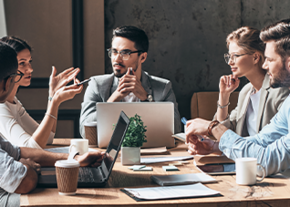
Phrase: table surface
[273,191]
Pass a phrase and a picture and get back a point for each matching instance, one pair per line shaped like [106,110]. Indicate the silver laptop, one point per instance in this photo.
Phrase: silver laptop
[157,116]
[94,176]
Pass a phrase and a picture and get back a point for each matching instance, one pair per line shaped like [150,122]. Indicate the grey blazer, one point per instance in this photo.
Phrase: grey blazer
[101,87]
[270,102]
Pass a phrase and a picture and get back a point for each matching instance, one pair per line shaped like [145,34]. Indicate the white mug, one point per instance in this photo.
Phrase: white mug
[246,171]
[79,145]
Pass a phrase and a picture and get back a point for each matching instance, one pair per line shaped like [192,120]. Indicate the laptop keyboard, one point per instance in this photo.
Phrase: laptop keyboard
[86,175]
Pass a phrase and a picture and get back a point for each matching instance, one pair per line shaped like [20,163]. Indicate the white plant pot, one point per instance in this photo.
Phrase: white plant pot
[130,155]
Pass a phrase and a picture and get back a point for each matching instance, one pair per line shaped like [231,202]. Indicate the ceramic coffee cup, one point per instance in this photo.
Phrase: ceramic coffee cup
[246,171]
[67,172]
[79,145]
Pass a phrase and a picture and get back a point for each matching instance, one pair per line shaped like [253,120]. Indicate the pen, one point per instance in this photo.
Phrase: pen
[184,120]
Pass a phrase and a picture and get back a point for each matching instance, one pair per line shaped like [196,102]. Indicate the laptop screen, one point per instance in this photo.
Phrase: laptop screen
[115,143]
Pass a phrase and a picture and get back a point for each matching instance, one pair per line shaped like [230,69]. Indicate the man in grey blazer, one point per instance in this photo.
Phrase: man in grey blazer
[128,82]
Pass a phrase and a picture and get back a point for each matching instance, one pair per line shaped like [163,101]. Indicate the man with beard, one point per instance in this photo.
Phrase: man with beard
[271,146]
[128,82]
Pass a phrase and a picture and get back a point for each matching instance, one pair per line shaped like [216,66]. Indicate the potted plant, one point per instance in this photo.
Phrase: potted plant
[133,141]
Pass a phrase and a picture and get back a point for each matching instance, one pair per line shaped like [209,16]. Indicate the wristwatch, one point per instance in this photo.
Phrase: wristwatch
[150,98]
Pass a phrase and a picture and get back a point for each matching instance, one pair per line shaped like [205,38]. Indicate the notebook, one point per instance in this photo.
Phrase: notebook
[182,179]
[98,176]
[157,116]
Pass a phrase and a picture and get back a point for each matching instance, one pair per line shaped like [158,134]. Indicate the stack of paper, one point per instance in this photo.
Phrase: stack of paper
[182,191]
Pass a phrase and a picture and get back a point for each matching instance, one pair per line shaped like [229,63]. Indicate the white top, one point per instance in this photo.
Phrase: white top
[252,113]
[131,98]
[17,126]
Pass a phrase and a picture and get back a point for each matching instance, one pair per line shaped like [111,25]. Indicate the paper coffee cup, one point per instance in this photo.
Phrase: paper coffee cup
[91,133]
[67,172]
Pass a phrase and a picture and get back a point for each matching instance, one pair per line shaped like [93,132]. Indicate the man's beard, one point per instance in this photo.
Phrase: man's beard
[118,73]
[282,79]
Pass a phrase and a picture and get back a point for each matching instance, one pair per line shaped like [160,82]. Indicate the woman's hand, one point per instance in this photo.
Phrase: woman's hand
[61,80]
[228,83]
[67,92]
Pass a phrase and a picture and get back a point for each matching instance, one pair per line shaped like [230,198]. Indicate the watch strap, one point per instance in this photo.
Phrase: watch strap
[211,126]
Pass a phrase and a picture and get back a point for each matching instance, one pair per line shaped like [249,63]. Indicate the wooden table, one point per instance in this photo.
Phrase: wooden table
[274,191]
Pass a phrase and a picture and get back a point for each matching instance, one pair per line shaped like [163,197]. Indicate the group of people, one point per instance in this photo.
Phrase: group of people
[251,130]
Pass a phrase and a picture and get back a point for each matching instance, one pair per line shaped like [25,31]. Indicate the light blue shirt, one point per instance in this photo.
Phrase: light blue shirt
[271,146]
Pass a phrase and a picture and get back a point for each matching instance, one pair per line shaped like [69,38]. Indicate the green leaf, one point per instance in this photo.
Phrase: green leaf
[135,136]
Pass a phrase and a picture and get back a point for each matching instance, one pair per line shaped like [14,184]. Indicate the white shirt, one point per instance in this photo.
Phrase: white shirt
[131,98]
[252,113]
[17,126]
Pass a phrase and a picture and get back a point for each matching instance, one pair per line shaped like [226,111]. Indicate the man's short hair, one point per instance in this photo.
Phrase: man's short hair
[8,60]
[280,33]
[136,35]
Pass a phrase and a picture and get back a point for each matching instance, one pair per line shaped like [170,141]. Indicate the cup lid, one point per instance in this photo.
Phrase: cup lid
[91,124]
[67,163]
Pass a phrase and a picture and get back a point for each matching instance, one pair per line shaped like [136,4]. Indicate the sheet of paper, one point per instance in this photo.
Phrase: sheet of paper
[180,191]
[180,136]
[62,149]
[147,160]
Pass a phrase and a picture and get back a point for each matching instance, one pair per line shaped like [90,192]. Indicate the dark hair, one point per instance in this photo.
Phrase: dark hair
[8,60]
[136,35]
[280,33]
[16,43]
[248,39]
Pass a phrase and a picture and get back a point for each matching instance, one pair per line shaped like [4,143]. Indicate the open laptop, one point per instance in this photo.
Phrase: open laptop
[157,116]
[98,176]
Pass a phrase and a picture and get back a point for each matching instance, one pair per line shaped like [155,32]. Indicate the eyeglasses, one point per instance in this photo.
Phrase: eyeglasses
[17,76]
[125,54]
[233,57]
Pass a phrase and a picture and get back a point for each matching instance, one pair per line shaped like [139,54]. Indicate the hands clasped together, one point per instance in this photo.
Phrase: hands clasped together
[127,84]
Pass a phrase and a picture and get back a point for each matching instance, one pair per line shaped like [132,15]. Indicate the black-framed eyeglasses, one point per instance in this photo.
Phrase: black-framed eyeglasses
[125,54]
[232,57]
[17,76]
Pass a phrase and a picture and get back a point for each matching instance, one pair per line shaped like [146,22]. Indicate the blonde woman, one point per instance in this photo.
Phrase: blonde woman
[257,102]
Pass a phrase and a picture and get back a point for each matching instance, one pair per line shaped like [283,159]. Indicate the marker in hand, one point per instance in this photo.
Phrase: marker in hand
[184,120]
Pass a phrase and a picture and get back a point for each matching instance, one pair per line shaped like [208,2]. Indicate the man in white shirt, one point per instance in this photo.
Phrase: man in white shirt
[128,82]
[19,166]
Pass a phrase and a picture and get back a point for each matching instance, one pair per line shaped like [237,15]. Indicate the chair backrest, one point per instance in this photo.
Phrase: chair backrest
[204,104]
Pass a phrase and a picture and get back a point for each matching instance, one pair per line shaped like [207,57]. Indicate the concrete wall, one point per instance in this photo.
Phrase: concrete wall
[187,37]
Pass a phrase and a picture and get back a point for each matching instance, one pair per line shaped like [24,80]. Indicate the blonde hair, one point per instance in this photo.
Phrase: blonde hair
[248,39]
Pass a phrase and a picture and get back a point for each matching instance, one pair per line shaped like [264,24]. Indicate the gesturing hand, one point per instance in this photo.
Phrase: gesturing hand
[228,83]
[62,79]
[68,92]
